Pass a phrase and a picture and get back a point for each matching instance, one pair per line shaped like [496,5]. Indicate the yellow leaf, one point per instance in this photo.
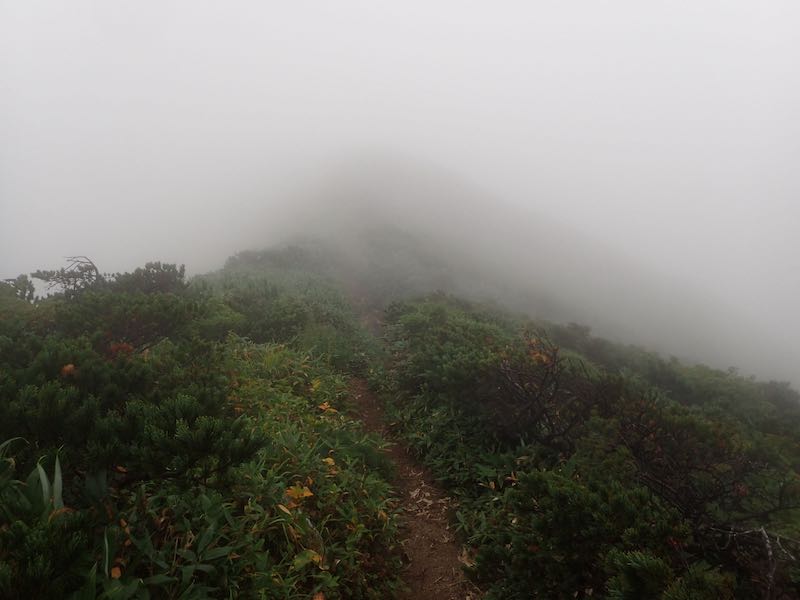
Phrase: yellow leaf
[284,509]
[329,461]
[465,558]
[297,492]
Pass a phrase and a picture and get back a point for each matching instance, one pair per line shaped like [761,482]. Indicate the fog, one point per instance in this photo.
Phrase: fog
[629,165]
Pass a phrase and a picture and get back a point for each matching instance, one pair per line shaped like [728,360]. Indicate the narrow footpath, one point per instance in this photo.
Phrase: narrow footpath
[431,551]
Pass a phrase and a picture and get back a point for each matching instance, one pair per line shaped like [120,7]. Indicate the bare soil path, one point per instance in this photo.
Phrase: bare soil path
[432,553]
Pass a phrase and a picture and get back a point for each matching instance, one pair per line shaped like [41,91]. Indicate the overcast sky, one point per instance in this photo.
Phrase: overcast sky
[669,130]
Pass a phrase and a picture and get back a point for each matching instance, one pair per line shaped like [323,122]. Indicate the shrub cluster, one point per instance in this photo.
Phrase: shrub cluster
[148,451]
[578,481]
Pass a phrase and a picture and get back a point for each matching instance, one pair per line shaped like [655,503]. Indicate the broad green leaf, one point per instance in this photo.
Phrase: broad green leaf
[304,558]
[206,538]
[215,553]
[89,590]
[160,579]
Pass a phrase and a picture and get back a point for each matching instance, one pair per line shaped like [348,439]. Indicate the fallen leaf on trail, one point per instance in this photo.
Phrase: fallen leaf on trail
[466,559]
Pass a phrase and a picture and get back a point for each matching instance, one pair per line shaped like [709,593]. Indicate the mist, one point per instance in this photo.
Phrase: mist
[626,165]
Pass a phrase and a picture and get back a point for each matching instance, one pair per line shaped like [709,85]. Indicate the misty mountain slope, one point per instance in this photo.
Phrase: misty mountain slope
[495,250]
[377,267]
[583,467]
[553,247]
[663,482]
[150,450]
[206,415]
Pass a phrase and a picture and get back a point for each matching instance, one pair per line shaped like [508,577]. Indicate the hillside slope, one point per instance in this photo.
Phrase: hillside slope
[172,439]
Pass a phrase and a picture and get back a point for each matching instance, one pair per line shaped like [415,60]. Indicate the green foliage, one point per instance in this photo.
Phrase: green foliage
[41,542]
[639,575]
[287,306]
[79,275]
[22,287]
[770,406]
[164,456]
[174,439]
[577,482]
[154,277]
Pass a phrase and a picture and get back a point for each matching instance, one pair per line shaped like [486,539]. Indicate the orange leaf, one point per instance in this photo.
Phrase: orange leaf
[116,572]
[58,512]
[298,493]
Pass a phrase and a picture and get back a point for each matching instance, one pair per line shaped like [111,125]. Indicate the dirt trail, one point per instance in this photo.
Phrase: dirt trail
[432,552]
